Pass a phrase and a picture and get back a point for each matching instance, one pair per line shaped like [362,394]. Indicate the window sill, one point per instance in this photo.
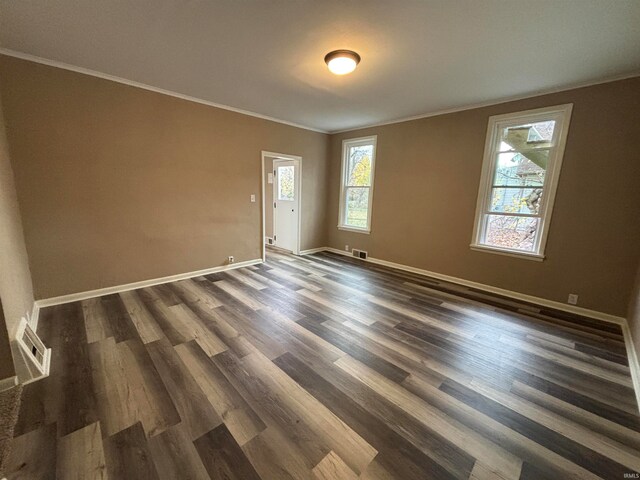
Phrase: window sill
[354,229]
[536,257]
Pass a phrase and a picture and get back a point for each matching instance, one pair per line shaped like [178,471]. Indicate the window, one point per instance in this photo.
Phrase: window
[285,183]
[356,188]
[520,172]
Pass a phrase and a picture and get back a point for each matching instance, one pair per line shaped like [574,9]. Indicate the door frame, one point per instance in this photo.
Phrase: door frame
[281,156]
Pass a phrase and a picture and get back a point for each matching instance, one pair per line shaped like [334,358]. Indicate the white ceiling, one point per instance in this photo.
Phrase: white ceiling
[266,56]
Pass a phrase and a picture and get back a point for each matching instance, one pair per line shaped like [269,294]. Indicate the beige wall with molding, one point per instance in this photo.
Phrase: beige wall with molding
[426,187]
[119,184]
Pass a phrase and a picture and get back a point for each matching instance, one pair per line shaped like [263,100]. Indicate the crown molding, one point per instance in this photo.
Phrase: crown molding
[105,76]
[76,297]
[490,103]
[85,71]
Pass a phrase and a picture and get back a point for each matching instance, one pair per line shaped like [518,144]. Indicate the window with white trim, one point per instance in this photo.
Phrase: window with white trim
[520,172]
[356,186]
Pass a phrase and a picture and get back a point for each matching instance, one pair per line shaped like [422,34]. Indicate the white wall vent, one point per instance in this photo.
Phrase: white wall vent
[359,254]
[36,358]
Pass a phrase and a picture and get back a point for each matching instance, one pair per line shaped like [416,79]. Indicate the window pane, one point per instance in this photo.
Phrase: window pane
[521,169]
[527,136]
[359,166]
[285,183]
[516,200]
[516,233]
[357,206]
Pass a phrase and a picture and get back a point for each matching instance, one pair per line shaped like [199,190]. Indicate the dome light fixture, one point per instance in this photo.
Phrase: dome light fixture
[342,62]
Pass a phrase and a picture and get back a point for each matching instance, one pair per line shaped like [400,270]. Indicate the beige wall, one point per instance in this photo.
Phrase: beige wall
[118,184]
[109,175]
[16,289]
[426,186]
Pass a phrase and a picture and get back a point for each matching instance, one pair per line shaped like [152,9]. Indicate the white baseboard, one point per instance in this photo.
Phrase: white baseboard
[585,312]
[632,356]
[313,250]
[74,297]
[33,318]
[634,362]
[7,383]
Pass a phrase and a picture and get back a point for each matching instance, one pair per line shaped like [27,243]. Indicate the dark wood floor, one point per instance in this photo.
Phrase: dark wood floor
[325,367]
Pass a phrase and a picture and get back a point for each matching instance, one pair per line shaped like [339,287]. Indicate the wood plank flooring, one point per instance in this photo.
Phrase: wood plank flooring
[324,367]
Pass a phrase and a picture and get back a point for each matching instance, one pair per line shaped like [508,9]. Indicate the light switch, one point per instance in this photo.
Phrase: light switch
[253,199]
[269,177]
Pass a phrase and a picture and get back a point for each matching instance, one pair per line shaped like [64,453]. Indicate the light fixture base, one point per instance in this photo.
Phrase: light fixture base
[342,62]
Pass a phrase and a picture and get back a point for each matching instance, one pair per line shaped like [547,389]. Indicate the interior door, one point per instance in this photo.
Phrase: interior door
[286,204]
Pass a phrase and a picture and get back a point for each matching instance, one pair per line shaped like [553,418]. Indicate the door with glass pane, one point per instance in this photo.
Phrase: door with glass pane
[286,204]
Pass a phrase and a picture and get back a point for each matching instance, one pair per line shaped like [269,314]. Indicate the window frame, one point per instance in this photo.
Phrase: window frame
[561,114]
[346,145]
[278,179]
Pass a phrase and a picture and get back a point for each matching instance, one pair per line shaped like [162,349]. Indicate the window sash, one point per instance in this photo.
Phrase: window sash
[561,115]
[518,186]
[488,210]
[280,177]
[348,164]
[349,185]
[508,214]
[345,185]
[525,150]
[346,204]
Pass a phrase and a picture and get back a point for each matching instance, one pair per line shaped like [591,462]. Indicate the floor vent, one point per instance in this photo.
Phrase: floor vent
[36,358]
[359,253]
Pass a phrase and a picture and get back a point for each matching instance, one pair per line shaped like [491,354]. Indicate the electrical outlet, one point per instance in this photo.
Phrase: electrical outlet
[253,198]
[346,248]
[231,259]
[573,299]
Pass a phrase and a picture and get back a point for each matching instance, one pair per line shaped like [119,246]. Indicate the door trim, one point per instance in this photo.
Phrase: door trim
[296,164]
[281,156]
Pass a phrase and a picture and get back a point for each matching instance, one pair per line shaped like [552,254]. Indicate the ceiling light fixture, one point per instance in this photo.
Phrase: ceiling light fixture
[342,62]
